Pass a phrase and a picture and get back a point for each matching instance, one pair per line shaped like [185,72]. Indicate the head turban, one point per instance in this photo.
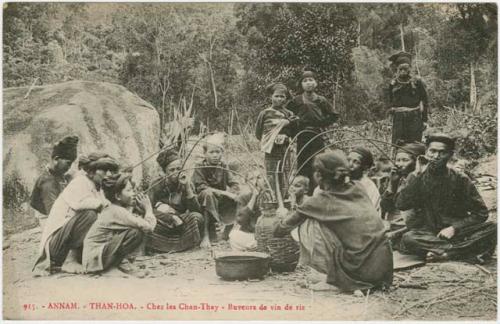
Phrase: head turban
[101,163]
[442,138]
[166,157]
[329,162]
[366,155]
[66,148]
[216,139]
[400,58]
[307,74]
[277,88]
[414,149]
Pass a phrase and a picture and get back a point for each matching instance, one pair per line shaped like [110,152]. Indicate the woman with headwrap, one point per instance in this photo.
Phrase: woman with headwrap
[315,113]
[52,181]
[274,127]
[117,232]
[341,234]
[176,207]
[72,214]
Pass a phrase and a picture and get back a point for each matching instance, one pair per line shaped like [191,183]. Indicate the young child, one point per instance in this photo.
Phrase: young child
[242,237]
[274,128]
[216,187]
[298,190]
[298,194]
[117,231]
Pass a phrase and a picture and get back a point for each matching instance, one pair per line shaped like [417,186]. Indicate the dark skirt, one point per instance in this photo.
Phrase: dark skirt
[177,239]
[271,162]
[407,126]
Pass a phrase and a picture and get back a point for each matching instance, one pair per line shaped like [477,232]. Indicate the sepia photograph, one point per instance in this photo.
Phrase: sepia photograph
[249,161]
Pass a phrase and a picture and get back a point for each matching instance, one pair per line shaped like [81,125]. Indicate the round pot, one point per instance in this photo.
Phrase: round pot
[242,265]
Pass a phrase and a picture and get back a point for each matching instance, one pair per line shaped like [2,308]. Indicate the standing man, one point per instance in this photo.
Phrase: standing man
[408,102]
[52,181]
[451,215]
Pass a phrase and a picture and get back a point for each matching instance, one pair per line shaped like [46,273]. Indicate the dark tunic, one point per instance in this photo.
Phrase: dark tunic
[313,116]
[408,125]
[362,255]
[442,200]
[221,208]
[165,238]
[47,188]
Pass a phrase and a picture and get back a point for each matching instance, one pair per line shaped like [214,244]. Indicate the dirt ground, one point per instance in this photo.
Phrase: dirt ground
[446,291]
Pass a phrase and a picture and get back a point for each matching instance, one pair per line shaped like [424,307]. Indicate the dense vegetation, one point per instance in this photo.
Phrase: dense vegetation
[223,55]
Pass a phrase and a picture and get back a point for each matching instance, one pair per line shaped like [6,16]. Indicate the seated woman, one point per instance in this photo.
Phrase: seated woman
[179,221]
[341,234]
[117,231]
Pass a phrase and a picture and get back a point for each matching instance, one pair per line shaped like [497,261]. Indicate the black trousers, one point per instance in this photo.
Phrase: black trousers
[71,236]
[120,246]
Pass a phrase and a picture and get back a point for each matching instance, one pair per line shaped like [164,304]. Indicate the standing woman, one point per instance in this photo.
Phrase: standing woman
[315,113]
[274,127]
[408,102]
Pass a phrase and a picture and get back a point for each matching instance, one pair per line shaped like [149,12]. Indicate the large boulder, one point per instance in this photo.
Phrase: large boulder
[106,117]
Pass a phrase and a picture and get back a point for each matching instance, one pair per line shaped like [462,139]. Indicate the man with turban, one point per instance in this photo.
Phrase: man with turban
[341,234]
[360,161]
[176,207]
[408,101]
[315,114]
[451,215]
[72,214]
[406,159]
[52,181]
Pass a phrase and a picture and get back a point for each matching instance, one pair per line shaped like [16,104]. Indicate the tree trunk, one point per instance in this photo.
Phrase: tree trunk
[416,60]
[402,34]
[473,90]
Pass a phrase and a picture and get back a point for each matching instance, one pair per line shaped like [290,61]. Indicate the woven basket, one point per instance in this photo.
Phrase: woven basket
[284,251]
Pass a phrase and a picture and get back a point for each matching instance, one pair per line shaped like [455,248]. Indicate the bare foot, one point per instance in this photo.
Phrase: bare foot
[358,293]
[322,286]
[315,276]
[434,257]
[72,267]
[205,244]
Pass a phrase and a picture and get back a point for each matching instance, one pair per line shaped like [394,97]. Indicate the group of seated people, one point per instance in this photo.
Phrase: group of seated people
[103,219]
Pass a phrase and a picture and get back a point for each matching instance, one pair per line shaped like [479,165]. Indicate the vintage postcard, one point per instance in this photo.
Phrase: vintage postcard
[250,161]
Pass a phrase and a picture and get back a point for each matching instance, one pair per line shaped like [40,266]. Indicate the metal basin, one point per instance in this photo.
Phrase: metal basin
[242,265]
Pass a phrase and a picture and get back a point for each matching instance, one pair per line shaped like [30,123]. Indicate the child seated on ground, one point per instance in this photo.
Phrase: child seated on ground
[297,192]
[242,237]
[117,231]
[217,189]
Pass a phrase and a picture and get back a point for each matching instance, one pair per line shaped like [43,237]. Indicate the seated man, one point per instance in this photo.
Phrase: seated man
[451,220]
[176,207]
[72,214]
[52,181]
[406,159]
[117,232]
[360,161]
[212,181]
